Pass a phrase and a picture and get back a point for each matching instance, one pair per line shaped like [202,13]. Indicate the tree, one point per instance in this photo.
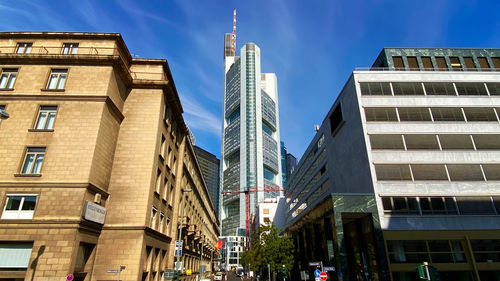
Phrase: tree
[268,247]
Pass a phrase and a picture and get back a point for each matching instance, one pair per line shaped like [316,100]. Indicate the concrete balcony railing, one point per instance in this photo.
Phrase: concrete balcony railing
[91,53]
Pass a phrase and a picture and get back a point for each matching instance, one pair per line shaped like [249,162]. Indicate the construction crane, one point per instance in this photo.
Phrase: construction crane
[268,188]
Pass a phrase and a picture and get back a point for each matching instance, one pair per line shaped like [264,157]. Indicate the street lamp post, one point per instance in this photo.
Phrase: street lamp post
[181,226]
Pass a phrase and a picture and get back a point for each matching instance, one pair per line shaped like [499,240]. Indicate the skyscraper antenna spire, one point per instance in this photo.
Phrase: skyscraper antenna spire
[234,31]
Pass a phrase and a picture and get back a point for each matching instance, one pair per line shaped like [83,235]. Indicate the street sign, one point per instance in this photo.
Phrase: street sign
[315,263]
[112,271]
[323,276]
[178,248]
[329,268]
[317,272]
[168,274]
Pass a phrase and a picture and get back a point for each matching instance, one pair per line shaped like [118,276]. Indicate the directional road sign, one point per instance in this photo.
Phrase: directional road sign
[317,272]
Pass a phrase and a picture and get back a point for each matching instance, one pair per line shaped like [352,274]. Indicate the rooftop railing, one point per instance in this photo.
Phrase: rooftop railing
[81,52]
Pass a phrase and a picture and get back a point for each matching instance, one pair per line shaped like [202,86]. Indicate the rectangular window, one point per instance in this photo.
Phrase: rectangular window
[70,48]
[15,256]
[386,142]
[421,142]
[456,142]
[381,114]
[487,250]
[464,172]
[8,78]
[57,79]
[455,64]
[494,88]
[414,114]
[471,89]
[439,89]
[429,172]
[492,172]
[407,89]
[398,63]
[19,206]
[475,205]
[23,48]
[46,117]
[496,63]
[336,119]
[441,62]
[33,160]
[427,62]
[480,114]
[447,114]
[469,64]
[483,63]
[412,63]
[375,89]
[393,172]
[487,141]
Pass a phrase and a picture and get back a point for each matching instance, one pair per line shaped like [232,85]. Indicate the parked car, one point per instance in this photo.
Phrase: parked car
[219,276]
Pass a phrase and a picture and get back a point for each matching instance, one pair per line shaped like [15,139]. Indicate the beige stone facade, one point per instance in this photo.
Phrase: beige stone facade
[89,127]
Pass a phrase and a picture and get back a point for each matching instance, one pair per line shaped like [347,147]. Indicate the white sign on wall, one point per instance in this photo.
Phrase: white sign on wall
[94,212]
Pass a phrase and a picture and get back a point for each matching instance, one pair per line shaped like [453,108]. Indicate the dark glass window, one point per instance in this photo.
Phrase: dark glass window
[414,114]
[376,89]
[447,114]
[407,89]
[336,119]
[475,205]
[439,89]
[381,114]
[471,89]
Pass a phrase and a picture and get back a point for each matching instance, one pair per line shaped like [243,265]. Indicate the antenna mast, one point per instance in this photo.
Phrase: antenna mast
[234,31]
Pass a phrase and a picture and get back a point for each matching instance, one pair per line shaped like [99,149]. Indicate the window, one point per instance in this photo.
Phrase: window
[57,79]
[266,211]
[234,116]
[421,142]
[386,142]
[375,89]
[266,129]
[494,88]
[23,48]
[429,172]
[492,172]
[412,63]
[496,63]
[486,251]
[381,114]
[158,181]
[456,142]
[480,114]
[33,160]
[447,114]
[475,205]
[416,251]
[393,172]
[471,89]
[469,172]
[70,48]
[469,64]
[46,117]
[162,218]
[414,114]
[441,62]
[398,63]
[487,141]
[83,255]
[154,211]
[455,64]
[336,119]
[19,207]
[427,62]
[439,89]
[483,63]
[407,89]
[8,78]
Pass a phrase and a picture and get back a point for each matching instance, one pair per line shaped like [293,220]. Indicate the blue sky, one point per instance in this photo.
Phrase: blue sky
[312,46]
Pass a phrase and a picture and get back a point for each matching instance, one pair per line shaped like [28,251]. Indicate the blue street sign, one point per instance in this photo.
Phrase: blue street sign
[317,272]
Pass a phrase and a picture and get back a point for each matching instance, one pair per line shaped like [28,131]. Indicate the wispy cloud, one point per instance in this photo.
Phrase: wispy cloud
[199,118]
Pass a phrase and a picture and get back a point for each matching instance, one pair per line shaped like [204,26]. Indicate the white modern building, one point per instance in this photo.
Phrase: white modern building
[405,169]
[250,165]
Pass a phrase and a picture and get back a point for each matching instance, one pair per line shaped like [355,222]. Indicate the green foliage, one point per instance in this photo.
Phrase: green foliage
[268,247]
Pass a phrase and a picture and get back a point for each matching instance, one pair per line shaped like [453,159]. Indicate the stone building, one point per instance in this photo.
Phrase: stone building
[95,159]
